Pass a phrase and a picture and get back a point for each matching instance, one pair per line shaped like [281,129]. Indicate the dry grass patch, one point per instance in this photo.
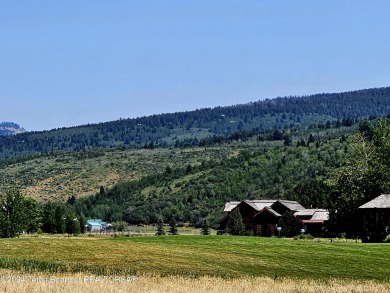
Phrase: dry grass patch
[12,281]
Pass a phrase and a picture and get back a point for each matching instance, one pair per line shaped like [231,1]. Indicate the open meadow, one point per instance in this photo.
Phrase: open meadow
[191,263]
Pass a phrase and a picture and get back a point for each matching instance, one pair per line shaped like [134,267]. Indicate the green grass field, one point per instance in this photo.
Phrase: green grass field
[222,256]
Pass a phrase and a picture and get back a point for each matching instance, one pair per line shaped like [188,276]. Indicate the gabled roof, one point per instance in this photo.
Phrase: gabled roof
[380,202]
[258,205]
[320,216]
[292,205]
[96,221]
[305,213]
[270,210]
[231,205]
[308,212]
[94,224]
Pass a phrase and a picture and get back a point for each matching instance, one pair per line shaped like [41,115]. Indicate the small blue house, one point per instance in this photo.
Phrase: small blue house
[96,225]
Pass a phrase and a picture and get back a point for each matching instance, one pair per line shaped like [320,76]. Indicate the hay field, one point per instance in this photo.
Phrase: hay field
[191,264]
[27,283]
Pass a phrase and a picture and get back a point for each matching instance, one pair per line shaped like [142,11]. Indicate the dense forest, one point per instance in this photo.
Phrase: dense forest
[166,130]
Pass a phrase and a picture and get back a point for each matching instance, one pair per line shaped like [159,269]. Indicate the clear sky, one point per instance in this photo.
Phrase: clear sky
[66,63]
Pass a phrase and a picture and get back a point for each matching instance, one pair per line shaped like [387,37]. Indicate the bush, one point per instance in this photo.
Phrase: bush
[304,237]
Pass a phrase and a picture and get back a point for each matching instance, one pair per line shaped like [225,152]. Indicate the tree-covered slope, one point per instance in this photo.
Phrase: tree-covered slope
[58,176]
[171,129]
[199,190]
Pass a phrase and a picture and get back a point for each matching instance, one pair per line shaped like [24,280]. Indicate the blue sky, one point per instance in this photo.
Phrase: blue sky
[66,63]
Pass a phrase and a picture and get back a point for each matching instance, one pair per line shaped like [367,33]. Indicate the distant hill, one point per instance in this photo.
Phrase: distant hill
[190,128]
[60,175]
[10,128]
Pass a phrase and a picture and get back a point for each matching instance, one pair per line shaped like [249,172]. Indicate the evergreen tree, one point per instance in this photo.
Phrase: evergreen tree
[291,226]
[205,228]
[160,228]
[71,200]
[82,222]
[173,227]
[287,140]
[235,223]
[59,216]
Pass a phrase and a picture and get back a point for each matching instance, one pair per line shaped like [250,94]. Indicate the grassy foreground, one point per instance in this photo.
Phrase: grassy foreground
[194,256]
[175,284]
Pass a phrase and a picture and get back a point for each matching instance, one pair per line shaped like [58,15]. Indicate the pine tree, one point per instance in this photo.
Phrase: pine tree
[290,224]
[160,228]
[205,228]
[235,224]
[173,227]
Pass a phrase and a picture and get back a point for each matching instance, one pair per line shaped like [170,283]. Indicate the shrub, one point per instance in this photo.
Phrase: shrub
[304,237]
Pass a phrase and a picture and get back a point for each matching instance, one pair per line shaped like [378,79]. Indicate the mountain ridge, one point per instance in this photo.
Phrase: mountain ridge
[10,128]
[190,127]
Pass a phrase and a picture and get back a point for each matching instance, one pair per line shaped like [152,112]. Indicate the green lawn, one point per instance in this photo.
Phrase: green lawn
[224,256]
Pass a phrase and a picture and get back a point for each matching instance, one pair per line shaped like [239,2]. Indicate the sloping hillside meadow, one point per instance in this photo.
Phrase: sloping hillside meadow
[58,176]
[203,263]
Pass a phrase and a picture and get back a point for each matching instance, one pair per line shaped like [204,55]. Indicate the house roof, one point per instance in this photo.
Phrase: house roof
[320,216]
[292,205]
[307,212]
[258,205]
[380,202]
[230,205]
[273,212]
[93,224]
[97,221]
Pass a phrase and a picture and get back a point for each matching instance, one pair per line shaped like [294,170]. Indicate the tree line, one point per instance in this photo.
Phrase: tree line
[20,214]
[175,128]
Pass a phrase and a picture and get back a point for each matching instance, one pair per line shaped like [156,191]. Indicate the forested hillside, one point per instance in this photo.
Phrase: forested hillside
[339,174]
[199,190]
[57,176]
[193,127]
